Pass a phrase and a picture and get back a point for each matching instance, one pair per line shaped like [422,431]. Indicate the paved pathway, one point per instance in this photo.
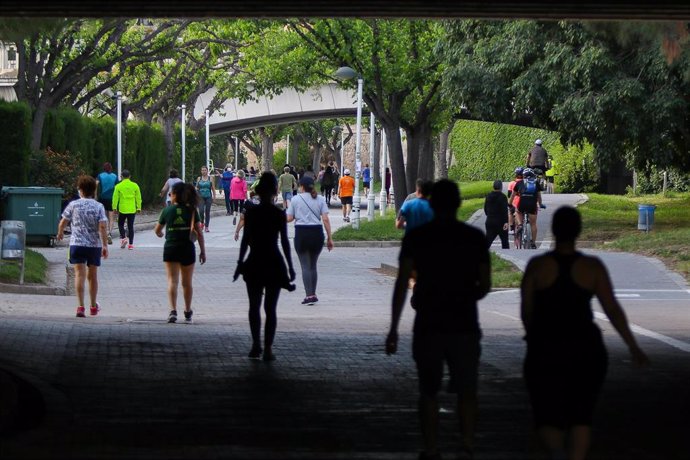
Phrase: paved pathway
[127,385]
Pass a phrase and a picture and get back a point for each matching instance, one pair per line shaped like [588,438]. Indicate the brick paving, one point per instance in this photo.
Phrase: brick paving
[125,384]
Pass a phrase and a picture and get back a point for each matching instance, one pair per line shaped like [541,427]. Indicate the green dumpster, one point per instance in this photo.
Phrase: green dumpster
[39,207]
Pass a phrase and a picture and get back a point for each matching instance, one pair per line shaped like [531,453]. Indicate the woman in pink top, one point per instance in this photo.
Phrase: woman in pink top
[238,193]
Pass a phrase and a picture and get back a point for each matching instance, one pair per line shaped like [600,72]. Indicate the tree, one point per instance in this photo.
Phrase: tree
[608,84]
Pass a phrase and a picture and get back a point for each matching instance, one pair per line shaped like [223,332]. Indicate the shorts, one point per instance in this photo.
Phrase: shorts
[527,208]
[184,255]
[287,196]
[85,255]
[366,184]
[345,200]
[460,351]
[107,204]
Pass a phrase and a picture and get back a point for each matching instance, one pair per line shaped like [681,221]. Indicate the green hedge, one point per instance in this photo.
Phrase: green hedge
[15,126]
[490,151]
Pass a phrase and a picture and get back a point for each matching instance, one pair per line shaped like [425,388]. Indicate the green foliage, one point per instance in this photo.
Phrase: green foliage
[303,157]
[15,126]
[575,168]
[652,181]
[56,169]
[144,156]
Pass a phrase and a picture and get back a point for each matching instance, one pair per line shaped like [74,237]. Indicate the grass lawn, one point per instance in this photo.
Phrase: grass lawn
[610,222]
[35,269]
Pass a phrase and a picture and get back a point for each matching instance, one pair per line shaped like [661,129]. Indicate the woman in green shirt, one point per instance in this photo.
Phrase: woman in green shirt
[204,185]
[181,221]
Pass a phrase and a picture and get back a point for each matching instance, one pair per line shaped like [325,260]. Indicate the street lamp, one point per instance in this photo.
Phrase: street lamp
[183,122]
[347,73]
[118,95]
[208,144]
[384,164]
[370,198]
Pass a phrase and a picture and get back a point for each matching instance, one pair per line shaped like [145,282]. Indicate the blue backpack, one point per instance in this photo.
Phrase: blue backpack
[529,188]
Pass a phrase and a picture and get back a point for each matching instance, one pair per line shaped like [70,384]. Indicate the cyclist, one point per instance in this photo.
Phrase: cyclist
[537,157]
[511,187]
[529,193]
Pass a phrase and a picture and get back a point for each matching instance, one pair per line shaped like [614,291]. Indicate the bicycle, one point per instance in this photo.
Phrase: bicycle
[523,233]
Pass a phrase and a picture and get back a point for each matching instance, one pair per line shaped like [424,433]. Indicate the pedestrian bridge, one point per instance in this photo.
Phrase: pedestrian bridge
[290,106]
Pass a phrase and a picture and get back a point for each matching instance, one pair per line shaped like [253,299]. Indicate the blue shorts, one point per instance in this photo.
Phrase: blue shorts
[85,255]
[287,196]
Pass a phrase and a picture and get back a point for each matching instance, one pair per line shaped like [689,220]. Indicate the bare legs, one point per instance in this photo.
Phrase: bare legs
[174,271]
[555,440]
[82,273]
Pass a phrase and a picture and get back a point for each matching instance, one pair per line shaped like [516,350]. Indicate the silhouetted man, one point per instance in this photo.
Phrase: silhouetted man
[496,210]
[453,272]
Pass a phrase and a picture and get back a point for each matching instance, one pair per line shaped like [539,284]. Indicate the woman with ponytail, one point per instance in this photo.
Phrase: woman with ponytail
[309,211]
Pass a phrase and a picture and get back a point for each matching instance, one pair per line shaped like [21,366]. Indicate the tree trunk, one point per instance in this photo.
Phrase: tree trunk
[425,168]
[396,162]
[266,150]
[442,157]
[412,164]
[37,125]
[168,134]
[316,158]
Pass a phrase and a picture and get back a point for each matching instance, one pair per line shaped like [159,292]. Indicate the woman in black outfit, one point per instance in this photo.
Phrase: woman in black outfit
[265,269]
[566,359]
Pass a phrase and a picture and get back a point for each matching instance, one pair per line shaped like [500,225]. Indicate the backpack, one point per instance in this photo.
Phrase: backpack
[529,187]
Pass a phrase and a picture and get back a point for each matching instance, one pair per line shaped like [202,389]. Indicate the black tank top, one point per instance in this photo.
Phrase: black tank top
[563,311]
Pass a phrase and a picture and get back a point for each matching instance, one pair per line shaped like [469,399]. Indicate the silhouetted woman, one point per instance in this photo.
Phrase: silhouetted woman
[566,358]
[265,271]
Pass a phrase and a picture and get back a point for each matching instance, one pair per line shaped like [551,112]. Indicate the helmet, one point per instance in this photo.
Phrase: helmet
[518,171]
[528,173]
[538,142]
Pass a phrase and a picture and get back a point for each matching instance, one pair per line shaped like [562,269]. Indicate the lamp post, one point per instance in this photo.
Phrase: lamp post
[208,145]
[349,73]
[384,164]
[371,204]
[237,152]
[183,122]
[118,95]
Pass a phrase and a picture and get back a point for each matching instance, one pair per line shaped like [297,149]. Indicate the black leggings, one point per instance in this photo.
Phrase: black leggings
[130,226]
[492,231]
[236,206]
[255,291]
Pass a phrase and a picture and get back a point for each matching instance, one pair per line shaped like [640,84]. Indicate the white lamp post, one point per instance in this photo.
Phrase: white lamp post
[237,152]
[384,164]
[118,95]
[208,145]
[371,204]
[348,73]
[287,151]
[183,121]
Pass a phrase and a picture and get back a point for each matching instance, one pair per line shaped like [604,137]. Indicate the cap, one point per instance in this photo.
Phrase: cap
[538,142]
[346,172]
[306,181]
[498,185]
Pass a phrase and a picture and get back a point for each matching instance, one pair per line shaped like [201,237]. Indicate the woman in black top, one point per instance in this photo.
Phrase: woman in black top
[265,270]
[566,359]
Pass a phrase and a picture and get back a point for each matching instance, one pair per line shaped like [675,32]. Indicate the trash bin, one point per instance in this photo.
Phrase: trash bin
[645,220]
[38,207]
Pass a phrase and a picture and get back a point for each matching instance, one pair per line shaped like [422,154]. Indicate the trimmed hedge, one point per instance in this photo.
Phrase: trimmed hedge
[15,153]
[490,151]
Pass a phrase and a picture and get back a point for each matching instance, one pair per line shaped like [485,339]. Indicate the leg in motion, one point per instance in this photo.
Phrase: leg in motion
[172,270]
[255,294]
[79,282]
[187,272]
[270,306]
[92,276]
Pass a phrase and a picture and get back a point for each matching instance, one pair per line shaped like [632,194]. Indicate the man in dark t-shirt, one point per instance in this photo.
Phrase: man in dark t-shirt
[453,272]
[496,210]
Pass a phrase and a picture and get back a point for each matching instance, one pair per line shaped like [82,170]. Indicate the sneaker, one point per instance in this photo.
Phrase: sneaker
[172,317]
[314,299]
[234,220]
[110,239]
[307,301]
[206,229]
[123,243]
[533,245]
[188,316]
[269,356]
[130,247]
[255,352]
[95,309]
[81,312]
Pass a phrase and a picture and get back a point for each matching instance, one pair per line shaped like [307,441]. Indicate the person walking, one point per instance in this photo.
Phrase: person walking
[88,242]
[416,211]
[286,184]
[327,184]
[309,212]
[446,325]
[106,180]
[207,193]
[346,191]
[238,193]
[387,185]
[126,203]
[225,180]
[366,179]
[497,213]
[566,361]
[182,225]
[173,178]
[264,271]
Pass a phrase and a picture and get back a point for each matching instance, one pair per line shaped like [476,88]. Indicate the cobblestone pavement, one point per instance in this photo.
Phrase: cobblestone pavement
[126,384]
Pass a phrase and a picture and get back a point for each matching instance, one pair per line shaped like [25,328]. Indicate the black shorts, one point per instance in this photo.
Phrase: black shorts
[85,255]
[185,255]
[107,204]
[366,184]
[460,351]
[527,208]
[345,200]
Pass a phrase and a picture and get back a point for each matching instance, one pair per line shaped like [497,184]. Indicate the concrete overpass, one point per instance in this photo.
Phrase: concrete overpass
[291,106]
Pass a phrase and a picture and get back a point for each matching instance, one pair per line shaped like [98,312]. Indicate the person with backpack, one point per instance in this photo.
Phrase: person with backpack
[529,194]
